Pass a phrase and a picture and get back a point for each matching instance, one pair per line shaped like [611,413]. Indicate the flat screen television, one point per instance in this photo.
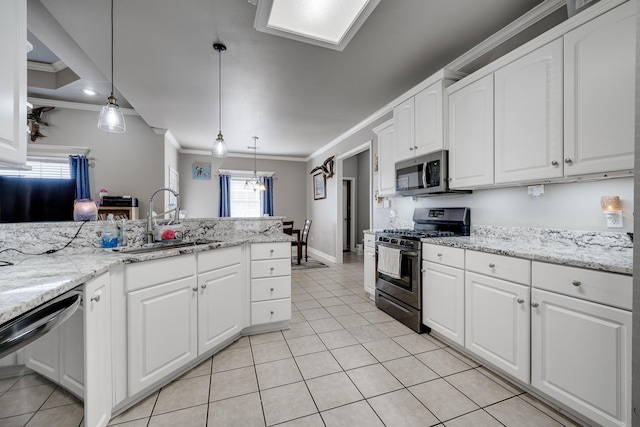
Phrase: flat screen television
[36,200]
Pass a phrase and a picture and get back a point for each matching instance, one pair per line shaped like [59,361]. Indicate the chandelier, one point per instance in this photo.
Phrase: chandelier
[254,183]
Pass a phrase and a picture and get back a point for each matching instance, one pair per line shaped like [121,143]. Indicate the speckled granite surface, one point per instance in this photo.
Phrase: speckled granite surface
[32,280]
[612,252]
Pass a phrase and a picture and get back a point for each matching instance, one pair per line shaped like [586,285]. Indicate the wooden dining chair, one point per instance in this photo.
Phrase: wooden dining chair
[304,235]
[287,227]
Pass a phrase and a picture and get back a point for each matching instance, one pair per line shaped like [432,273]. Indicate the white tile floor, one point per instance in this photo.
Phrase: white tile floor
[342,363]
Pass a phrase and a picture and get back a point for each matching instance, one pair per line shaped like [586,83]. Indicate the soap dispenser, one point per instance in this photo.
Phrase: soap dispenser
[110,233]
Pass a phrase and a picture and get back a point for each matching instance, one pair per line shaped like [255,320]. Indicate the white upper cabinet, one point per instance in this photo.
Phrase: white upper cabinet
[471,134]
[599,91]
[528,117]
[403,120]
[429,121]
[13,83]
[419,121]
[386,154]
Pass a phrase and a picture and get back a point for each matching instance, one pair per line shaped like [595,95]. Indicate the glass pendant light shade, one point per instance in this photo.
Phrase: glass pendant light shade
[219,146]
[111,118]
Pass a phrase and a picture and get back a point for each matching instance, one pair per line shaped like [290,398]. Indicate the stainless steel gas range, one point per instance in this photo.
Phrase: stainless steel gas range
[399,260]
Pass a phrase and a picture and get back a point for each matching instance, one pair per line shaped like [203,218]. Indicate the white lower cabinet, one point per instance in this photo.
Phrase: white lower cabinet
[162,330]
[443,291]
[221,297]
[270,282]
[497,323]
[369,264]
[581,350]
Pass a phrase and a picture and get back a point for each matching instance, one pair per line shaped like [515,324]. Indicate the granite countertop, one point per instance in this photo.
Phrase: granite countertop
[33,280]
[594,256]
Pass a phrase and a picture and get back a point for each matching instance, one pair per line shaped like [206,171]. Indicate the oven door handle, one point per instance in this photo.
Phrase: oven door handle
[402,251]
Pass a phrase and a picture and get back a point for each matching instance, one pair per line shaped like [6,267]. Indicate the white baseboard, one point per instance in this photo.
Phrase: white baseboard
[321,256]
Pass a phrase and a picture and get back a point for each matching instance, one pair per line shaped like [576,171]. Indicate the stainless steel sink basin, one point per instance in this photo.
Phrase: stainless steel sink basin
[154,247]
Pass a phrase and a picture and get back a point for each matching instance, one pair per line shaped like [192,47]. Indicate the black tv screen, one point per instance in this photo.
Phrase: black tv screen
[36,200]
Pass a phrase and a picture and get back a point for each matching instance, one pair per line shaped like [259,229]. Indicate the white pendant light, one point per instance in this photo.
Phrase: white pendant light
[219,146]
[111,118]
[255,183]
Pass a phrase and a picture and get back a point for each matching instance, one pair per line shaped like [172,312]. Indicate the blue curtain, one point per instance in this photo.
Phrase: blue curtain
[266,197]
[80,172]
[224,206]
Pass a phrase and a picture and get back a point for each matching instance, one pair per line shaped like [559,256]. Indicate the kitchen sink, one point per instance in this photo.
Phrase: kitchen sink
[154,247]
[161,246]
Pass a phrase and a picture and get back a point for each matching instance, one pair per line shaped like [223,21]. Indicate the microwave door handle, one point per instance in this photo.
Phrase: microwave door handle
[424,175]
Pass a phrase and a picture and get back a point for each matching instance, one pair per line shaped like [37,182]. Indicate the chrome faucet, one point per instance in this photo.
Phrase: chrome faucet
[176,212]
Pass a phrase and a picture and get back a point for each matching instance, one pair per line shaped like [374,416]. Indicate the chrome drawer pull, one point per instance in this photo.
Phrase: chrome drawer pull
[271,289]
[576,283]
[96,298]
[204,286]
[520,300]
[272,312]
[534,304]
[194,289]
[439,254]
[491,265]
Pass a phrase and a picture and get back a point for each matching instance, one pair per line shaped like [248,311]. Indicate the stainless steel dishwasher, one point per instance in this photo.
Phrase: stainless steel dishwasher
[28,327]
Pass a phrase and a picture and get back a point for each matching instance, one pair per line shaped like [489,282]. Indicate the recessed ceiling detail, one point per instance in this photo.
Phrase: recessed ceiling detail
[326,23]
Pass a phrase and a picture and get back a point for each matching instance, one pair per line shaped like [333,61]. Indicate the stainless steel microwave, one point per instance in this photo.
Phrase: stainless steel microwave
[425,175]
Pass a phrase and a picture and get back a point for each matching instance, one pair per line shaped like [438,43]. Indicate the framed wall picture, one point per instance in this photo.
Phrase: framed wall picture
[202,171]
[319,186]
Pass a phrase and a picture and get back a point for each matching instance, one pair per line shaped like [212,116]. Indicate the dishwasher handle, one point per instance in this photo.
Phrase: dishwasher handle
[30,326]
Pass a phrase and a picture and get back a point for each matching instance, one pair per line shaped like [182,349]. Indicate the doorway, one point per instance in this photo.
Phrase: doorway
[349,214]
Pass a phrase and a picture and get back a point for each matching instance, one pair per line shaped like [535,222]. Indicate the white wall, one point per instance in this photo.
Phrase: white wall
[574,206]
[200,197]
[129,163]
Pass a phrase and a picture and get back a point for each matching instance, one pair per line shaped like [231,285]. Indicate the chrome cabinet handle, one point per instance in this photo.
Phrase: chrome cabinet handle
[272,312]
[576,283]
[272,289]
[534,304]
[491,265]
[204,286]
[271,269]
[271,251]
[415,146]
[96,298]
[194,289]
[423,270]
[410,148]
[520,300]
[439,254]
[554,163]
[568,160]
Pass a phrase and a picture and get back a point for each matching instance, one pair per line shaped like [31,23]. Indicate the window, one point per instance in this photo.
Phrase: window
[244,203]
[45,168]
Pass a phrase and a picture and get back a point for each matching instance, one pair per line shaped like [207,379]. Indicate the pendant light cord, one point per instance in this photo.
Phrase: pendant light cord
[220,90]
[111,47]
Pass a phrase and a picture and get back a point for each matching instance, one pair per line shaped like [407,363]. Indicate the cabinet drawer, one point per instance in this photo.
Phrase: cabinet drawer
[270,250]
[271,268]
[149,273]
[219,258]
[270,311]
[597,286]
[369,239]
[270,288]
[503,267]
[453,257]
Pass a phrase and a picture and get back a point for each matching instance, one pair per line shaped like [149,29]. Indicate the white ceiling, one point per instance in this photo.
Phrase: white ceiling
[295,97]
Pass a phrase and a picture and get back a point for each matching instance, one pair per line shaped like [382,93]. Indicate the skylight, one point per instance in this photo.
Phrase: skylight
[327,23]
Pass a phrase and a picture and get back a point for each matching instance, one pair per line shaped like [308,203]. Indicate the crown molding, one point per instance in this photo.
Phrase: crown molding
[168,136]
[75,105]
[244,156]
[47,68]
[530,18]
